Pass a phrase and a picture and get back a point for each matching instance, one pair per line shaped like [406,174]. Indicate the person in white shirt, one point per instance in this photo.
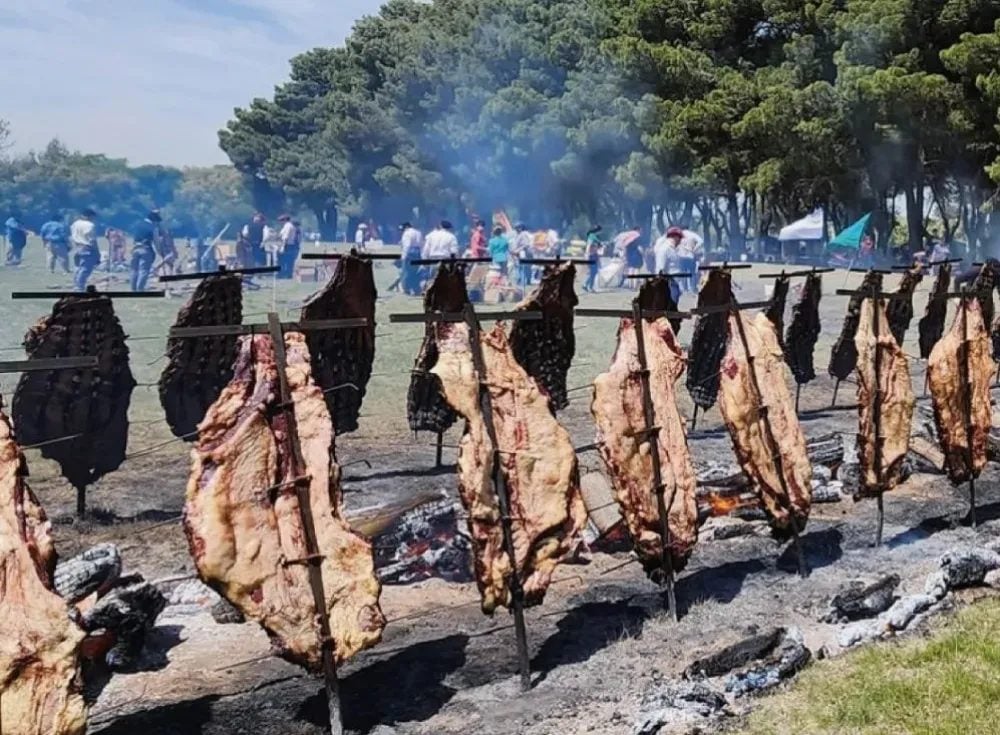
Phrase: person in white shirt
[690,248]
[521,248]
[441,243]
[290,236]
[666,260]
[361,237]
[86,254]
[411,245]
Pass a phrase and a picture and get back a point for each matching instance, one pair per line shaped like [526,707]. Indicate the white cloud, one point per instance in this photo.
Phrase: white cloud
[154,80]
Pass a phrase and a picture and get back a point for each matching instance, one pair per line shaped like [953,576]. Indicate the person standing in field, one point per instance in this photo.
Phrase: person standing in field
[499,250]
[477,243]
[411,245]
[523,243]
[56,238]
[86,254]
[441,243]
[253,234]
[667,260]
[690,248]
[593,254]
[17,239]
[291,241]
[144,250]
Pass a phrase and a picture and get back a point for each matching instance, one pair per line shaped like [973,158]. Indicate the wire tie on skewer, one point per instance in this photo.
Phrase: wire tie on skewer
[309,559]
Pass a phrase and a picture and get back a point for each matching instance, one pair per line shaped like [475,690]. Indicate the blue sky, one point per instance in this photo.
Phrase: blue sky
[151,80]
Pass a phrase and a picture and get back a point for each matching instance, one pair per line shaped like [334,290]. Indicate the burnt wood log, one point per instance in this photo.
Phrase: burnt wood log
[859,600]
[737,655]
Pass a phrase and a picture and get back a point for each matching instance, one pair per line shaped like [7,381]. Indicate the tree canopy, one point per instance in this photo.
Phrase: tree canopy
[735,115]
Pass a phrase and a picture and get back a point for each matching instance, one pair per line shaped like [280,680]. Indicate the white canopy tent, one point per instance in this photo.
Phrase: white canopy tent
[807,228]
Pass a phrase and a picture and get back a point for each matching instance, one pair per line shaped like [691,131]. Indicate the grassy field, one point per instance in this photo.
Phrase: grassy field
[948,684]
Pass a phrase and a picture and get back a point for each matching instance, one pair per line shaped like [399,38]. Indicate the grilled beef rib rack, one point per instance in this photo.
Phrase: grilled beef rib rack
[803,331]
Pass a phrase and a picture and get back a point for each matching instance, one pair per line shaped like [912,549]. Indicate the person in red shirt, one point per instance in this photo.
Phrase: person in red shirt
[477,245]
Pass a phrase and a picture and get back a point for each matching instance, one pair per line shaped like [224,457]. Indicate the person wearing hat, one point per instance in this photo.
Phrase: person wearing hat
[291,242]
[86,254]
[17,239]
[144,249]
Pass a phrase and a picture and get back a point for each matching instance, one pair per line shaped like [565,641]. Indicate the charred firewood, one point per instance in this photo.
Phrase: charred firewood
[88,404]
[545,348]
[122,619]
[858,600]
[803,332]
[931,327]
[844,358]
[342,358]
[426,408]
[776,311]
[198,369]
[900,309]
[737,655]
[709,342]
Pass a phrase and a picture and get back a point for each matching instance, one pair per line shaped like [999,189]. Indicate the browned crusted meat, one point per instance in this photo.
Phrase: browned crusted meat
[746,406]
[39,642]
[242,514]
[545,348]
[538,465]
[984,285]
[655,295]
[342,358]
[900,308]
[895,405]
[931,327]
[803,331]
[844,357]
[426,408]
[198,369]
[90,403]
[709,342]
[618,410]
[950,392]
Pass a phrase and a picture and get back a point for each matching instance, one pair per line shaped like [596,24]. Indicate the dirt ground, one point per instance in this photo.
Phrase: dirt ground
[597,644]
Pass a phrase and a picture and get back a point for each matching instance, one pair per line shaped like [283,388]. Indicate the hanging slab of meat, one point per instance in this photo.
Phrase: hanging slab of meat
[39,642]
[895,405]
[538,465]
[995,340]
[745,407]
[242,514]
[776,311]
[803,331]
[950,392]
[984,285]
[709,342]
[900,308]
[426,408]
[655,295]
[931,327]
[198,369]
[91,403]
[343,356]
[545,348]
[618,410]
[844,358]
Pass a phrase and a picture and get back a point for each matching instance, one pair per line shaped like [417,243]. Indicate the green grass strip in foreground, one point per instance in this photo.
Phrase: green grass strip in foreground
[948,684]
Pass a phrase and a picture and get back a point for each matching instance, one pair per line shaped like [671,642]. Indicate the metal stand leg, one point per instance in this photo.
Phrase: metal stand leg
[437,456]
[694,418]
[972,503]
[836,389]
[798,394]
[880,520]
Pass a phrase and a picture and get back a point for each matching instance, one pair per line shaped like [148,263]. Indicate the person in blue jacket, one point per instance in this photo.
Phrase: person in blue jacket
[144,249]
[17,239]
[55,236]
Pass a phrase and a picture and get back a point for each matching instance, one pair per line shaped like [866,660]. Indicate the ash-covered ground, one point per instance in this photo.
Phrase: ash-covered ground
[601,643]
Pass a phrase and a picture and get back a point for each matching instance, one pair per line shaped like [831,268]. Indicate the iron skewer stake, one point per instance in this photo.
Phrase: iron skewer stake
[836,388]
[652,433]
[772,441]
[486,406]
[314,559]
[798,393]
[438,449]
[877,418]
[694,418]
[967,395]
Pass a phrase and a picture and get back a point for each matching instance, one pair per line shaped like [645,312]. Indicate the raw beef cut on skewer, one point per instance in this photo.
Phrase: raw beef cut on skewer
[198,369]
[538,464]
[747,407]
[844,357]
[39,642]
[243,520]
[88,404]
[708,344]
[949,390]
[545,347]
[618,410]
[895,407]
[804,330]
[426,407]
[776,311]
[343,356]
[931,327]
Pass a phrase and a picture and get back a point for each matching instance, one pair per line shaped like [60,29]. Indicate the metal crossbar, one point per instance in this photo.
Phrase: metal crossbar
[222,271]
[53,363]
[243,329]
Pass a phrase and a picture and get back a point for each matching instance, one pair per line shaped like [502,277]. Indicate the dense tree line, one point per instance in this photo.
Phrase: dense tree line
[735,116]
[60,182]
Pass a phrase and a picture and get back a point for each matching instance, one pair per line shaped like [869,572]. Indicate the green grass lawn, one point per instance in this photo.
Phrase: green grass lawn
[946,685]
